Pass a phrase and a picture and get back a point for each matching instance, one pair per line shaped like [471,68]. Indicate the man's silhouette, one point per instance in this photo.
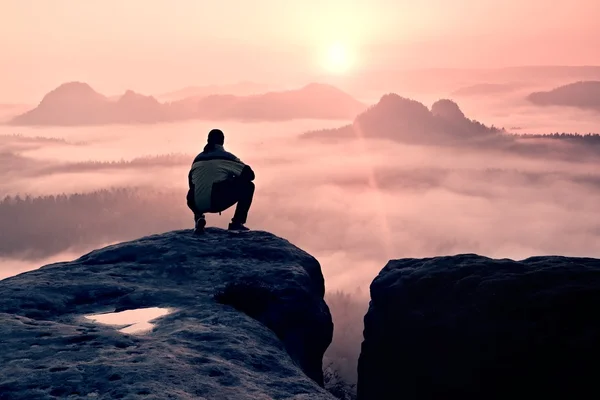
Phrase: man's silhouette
[217,181]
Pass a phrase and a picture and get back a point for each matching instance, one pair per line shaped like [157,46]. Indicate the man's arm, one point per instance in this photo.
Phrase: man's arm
[247,173]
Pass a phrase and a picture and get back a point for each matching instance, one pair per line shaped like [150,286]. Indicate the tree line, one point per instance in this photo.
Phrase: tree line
[37,227]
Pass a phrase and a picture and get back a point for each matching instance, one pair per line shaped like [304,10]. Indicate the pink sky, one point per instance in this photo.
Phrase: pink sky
[154,46]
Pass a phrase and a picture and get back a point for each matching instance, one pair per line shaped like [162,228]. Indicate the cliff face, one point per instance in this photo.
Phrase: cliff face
[247,321]
[471,327]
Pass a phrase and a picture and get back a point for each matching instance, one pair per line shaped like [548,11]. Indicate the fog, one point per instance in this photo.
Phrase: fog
[372,199]
[407,185]
[353,203]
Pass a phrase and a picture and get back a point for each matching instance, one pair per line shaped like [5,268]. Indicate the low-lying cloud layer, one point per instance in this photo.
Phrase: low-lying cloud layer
[354,203]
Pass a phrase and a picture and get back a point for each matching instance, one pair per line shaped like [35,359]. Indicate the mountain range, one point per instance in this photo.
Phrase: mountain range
[404,120]
[238,89]
[77,103]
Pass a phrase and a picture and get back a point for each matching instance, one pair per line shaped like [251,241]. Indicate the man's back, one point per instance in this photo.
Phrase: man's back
[217,181]
[212,166]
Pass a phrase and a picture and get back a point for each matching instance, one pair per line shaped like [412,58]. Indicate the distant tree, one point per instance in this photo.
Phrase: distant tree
[588,138]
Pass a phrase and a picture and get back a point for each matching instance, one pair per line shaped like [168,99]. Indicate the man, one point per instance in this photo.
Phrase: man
[217,181]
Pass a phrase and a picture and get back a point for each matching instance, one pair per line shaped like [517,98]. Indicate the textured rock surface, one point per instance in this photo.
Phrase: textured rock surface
[470,327]
[202,350]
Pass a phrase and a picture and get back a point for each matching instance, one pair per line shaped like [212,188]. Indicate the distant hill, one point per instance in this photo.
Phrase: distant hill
[405,120]
[584,94]
[482,89]
[236,89]
[315,100]
[76,103]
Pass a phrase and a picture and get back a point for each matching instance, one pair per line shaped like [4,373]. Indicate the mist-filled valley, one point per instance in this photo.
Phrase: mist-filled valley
[402,180]
[299,200]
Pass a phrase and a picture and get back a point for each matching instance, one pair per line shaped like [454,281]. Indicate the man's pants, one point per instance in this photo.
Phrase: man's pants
[227,193]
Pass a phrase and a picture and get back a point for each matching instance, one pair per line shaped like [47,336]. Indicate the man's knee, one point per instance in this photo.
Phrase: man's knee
[249,186]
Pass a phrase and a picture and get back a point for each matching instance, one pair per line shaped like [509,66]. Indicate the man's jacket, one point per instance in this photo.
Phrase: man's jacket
[208,168]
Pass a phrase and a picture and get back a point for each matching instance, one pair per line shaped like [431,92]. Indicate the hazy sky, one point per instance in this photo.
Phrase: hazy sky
[159,45]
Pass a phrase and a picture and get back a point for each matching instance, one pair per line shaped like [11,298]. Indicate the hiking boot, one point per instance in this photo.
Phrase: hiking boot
[236,226]
[200,224]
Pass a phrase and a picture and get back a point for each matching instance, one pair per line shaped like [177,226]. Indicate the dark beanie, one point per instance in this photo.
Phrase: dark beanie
[216,136]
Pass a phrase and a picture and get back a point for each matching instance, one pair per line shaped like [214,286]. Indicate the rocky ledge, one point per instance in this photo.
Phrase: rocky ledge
[471,327]
[244,319]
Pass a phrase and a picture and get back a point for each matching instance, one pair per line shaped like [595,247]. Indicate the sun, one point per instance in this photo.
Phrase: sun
[338,58]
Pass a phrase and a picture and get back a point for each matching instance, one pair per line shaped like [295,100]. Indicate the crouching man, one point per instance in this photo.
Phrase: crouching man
[217,181]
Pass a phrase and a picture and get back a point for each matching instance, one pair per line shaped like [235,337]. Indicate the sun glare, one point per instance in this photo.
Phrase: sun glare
[338,58]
